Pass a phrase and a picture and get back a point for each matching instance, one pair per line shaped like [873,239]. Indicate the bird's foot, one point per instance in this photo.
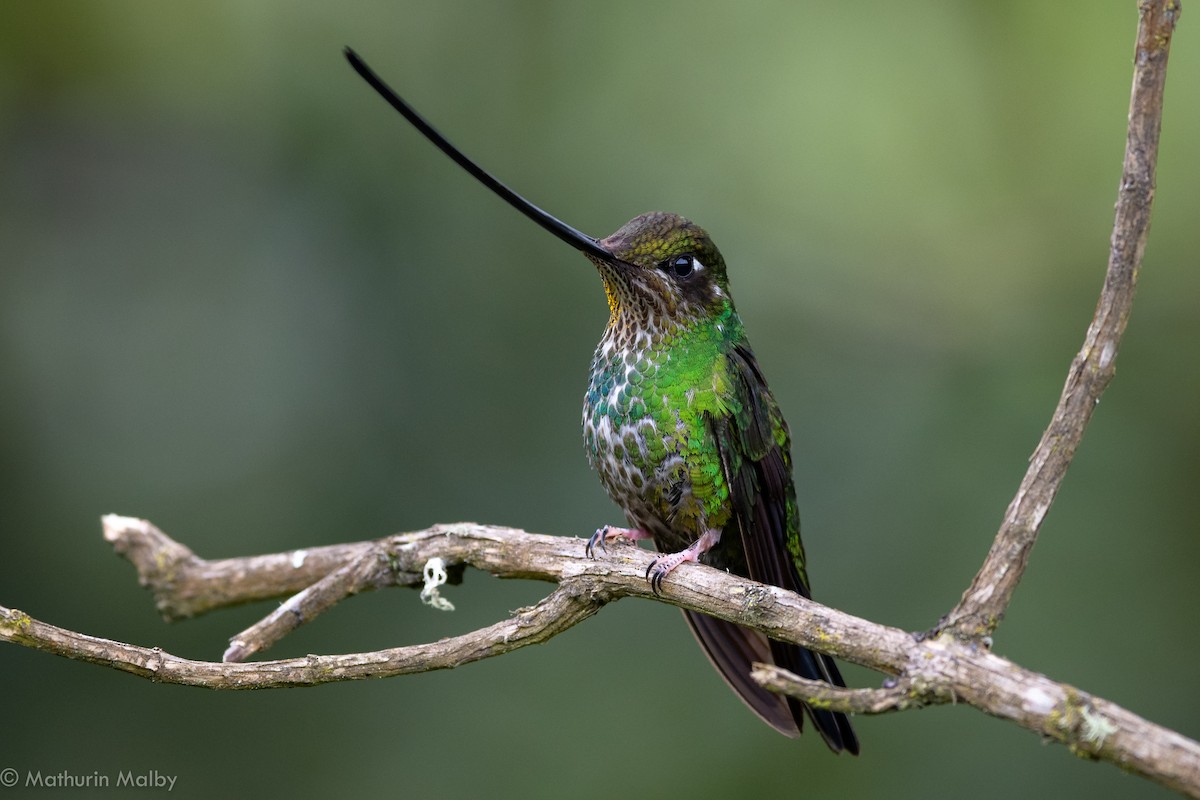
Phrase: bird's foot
[660,567]
[607,533]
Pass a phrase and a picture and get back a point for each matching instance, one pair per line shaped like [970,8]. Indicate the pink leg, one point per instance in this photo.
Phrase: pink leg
[603,535]
[660,567]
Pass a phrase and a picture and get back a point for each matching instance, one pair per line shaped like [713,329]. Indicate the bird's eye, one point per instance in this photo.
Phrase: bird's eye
[679,266]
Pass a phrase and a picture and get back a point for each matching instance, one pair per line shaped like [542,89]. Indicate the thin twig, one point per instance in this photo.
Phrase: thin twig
[986,599]
[894,695]
[563,608]
[368,570]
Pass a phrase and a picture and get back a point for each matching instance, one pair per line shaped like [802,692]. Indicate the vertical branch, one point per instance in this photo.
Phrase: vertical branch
[985,601]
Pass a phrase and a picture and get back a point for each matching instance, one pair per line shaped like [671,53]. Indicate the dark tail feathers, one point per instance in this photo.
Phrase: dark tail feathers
[732,649]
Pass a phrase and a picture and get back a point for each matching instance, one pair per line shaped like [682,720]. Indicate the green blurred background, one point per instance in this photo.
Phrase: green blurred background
[241,298]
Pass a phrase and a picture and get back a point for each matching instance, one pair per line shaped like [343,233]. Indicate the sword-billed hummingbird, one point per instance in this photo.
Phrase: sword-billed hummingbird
[684,433]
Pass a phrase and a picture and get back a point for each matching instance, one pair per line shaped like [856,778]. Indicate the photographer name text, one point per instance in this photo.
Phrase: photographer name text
[124,779]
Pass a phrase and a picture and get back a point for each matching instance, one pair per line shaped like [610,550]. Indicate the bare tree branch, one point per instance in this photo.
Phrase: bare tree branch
[505,553]
[933,670]
[584,586]
[986,599]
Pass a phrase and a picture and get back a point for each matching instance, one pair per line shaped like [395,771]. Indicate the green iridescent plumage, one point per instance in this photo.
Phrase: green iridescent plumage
[687,438]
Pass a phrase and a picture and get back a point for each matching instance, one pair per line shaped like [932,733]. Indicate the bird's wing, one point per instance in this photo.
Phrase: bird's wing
[754,446]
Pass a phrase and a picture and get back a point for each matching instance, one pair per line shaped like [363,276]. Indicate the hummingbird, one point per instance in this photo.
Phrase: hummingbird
[684,432]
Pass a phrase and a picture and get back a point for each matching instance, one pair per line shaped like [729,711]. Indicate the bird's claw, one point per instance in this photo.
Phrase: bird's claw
[606,532]
[662,566]
[599,537]
[655,574]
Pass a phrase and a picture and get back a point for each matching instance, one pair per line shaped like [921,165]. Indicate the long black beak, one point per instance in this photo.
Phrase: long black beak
[577,239]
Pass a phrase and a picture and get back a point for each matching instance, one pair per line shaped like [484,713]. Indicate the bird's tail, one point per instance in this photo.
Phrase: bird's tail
[732,649]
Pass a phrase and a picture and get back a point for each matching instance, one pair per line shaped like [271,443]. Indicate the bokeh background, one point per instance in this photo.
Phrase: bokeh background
[241,298]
